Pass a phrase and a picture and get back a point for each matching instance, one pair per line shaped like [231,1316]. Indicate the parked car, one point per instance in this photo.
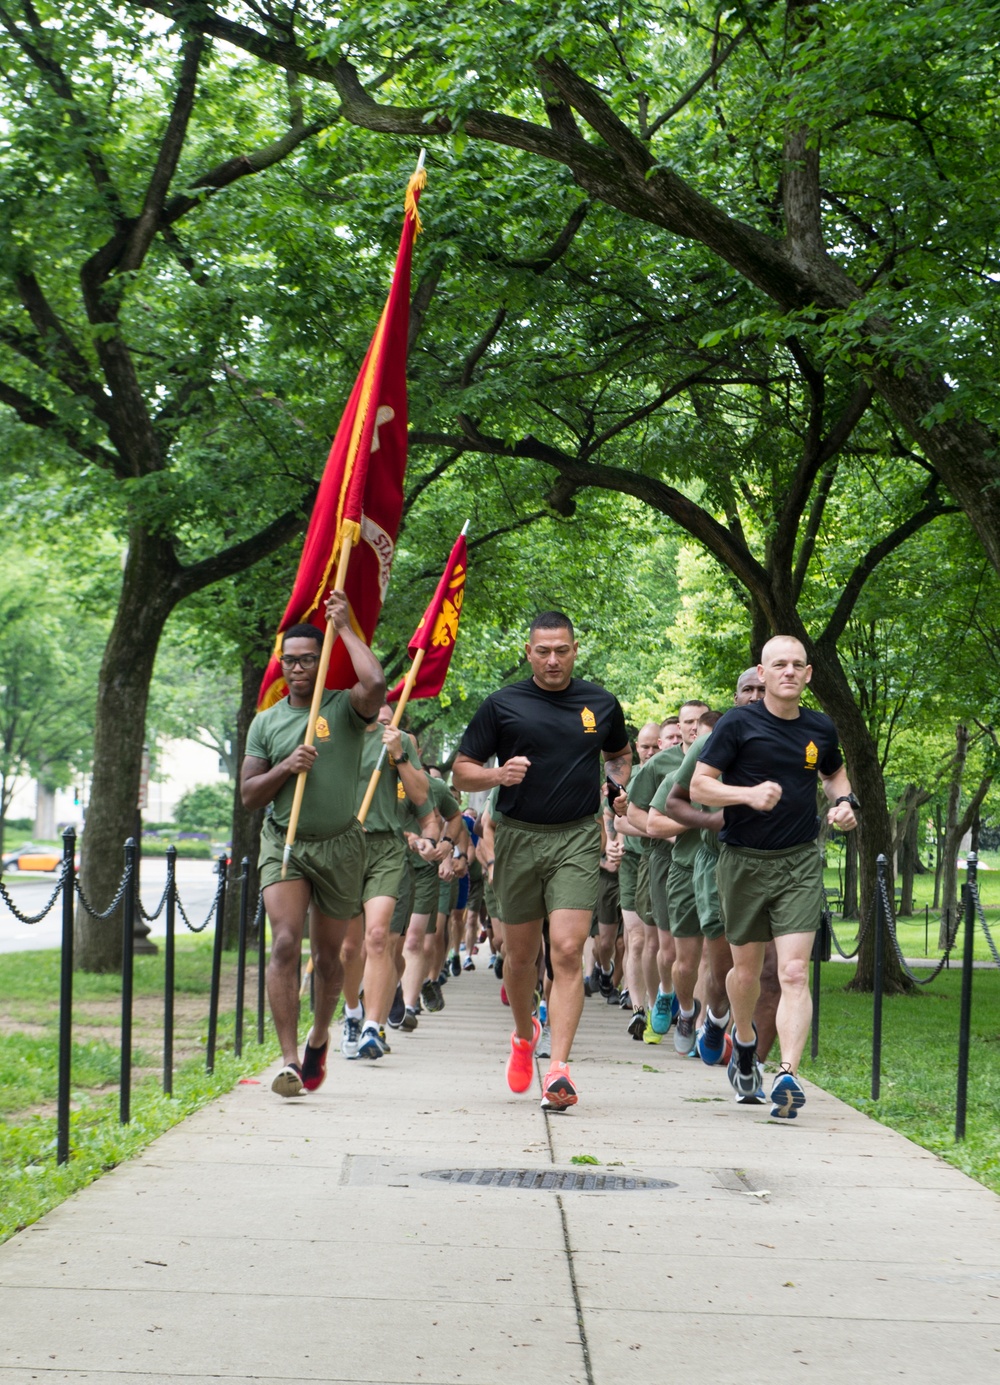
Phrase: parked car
[33,858]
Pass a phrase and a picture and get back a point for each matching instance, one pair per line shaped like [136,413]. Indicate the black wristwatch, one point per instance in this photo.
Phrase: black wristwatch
[848,798]
[403,759]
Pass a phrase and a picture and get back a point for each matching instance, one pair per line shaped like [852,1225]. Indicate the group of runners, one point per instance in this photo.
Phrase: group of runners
[687,889]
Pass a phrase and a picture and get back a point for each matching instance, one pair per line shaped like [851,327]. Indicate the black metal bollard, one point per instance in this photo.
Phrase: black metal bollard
[241,957]
[128,938]
[66,998]
[168,974]
[881,924]
[820,954]
[213,1004]
[965,1015]
[261,952]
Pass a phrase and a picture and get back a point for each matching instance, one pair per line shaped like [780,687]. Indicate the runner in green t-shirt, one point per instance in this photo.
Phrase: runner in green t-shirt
[640,941]
[326,868]
[369,945]
[428,849]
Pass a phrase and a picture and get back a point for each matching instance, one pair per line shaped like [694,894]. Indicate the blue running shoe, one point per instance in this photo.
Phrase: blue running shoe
[756,1098]
[663,1014]
[711,1041]
[746,1076]
[787,1097]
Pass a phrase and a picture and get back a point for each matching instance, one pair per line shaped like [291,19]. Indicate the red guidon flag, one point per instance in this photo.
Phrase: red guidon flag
[361,493]
[438,629]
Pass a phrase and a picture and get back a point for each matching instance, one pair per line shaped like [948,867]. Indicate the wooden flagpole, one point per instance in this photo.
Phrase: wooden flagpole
[397,717]
[329,639]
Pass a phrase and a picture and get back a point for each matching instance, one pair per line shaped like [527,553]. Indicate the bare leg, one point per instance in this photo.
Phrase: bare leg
[520,972]
[720,959]
[380,969]
[352,955]
[666,953]
[650,972]
[634,976]
[743,988]
[414,962]
[685,970]
[326,937]
[795,1006]
[568,931]
[766,1009]
[286,903]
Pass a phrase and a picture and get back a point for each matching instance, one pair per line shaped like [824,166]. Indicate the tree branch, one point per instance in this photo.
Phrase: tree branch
[240,556]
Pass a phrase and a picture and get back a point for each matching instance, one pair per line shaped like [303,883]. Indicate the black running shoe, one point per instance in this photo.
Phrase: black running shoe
[398,1009]
[455,962]
[637,1024]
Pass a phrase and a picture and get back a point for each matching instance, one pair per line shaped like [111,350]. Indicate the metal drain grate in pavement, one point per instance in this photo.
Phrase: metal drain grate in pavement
[549,1180]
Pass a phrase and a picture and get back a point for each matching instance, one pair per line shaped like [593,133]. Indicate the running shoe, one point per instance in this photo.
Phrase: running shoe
[455,962]
[493,961]
[543,1013]
[382,1039]
[624,999]
[558,1090]
[712,1040]
[349,1037]
[787,1097]
[370,1045]
[756,1098]
[604,981]
[438,995]
[662,1015]
[685,1035]
[544,1048]
[443,975]
[521,1063]
[314,1065]
[398,1009]
[503,996]
[588,988]
[649,1034]
[410,1020]
[430,994]
[468,964]
[498,967]
[746,1076]
[637,1024]
[288,1081]
[615,997]
[482,935]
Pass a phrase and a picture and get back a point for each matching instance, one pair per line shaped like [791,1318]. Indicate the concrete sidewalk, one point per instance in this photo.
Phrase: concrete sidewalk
[300,1241]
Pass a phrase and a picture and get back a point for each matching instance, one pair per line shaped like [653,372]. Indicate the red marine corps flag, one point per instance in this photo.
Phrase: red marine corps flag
[433,641]
[431,648]
[360,496]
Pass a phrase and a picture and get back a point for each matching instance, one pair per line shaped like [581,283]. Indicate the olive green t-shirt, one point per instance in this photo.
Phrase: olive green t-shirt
[383,815]
[687,844]
[440,798]
[645,782]
[329,799]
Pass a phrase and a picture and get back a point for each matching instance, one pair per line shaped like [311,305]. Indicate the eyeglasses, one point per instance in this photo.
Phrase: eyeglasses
[303,661]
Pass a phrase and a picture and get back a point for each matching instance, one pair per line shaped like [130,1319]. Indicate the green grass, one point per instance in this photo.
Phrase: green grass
[30,1180]
[919,1064]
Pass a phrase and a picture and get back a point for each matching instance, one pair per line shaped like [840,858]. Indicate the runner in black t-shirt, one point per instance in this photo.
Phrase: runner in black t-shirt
[770,875]
[548,734]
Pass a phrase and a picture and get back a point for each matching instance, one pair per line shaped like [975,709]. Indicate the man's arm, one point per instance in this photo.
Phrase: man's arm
[618,764]
[368,692]
[411,776]
[682,810]
[260,780]
[834,786]
[471,775]
[638,818]
[660,826]
[707,788]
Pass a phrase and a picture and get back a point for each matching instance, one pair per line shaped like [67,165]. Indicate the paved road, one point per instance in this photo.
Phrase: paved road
[196,881]
[303,1241]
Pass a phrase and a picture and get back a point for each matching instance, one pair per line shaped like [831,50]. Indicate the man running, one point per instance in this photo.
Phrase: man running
[327,864]
[770,873]
[549,734]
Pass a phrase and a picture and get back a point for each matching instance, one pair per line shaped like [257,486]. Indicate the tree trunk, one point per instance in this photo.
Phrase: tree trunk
[874,831]
[119,732]
[952,839]
[908,858]
[938,857]
[246,825]
[850,896]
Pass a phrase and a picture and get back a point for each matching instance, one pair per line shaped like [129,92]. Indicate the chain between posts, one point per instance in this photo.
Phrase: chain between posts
[862,933]
[31,919]
[973,887]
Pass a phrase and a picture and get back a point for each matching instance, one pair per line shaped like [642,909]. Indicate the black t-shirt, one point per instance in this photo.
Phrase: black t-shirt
[750,744]
[561,733]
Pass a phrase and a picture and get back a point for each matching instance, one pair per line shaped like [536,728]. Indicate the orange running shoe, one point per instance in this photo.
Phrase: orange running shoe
[521,1064]
[558,1090]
